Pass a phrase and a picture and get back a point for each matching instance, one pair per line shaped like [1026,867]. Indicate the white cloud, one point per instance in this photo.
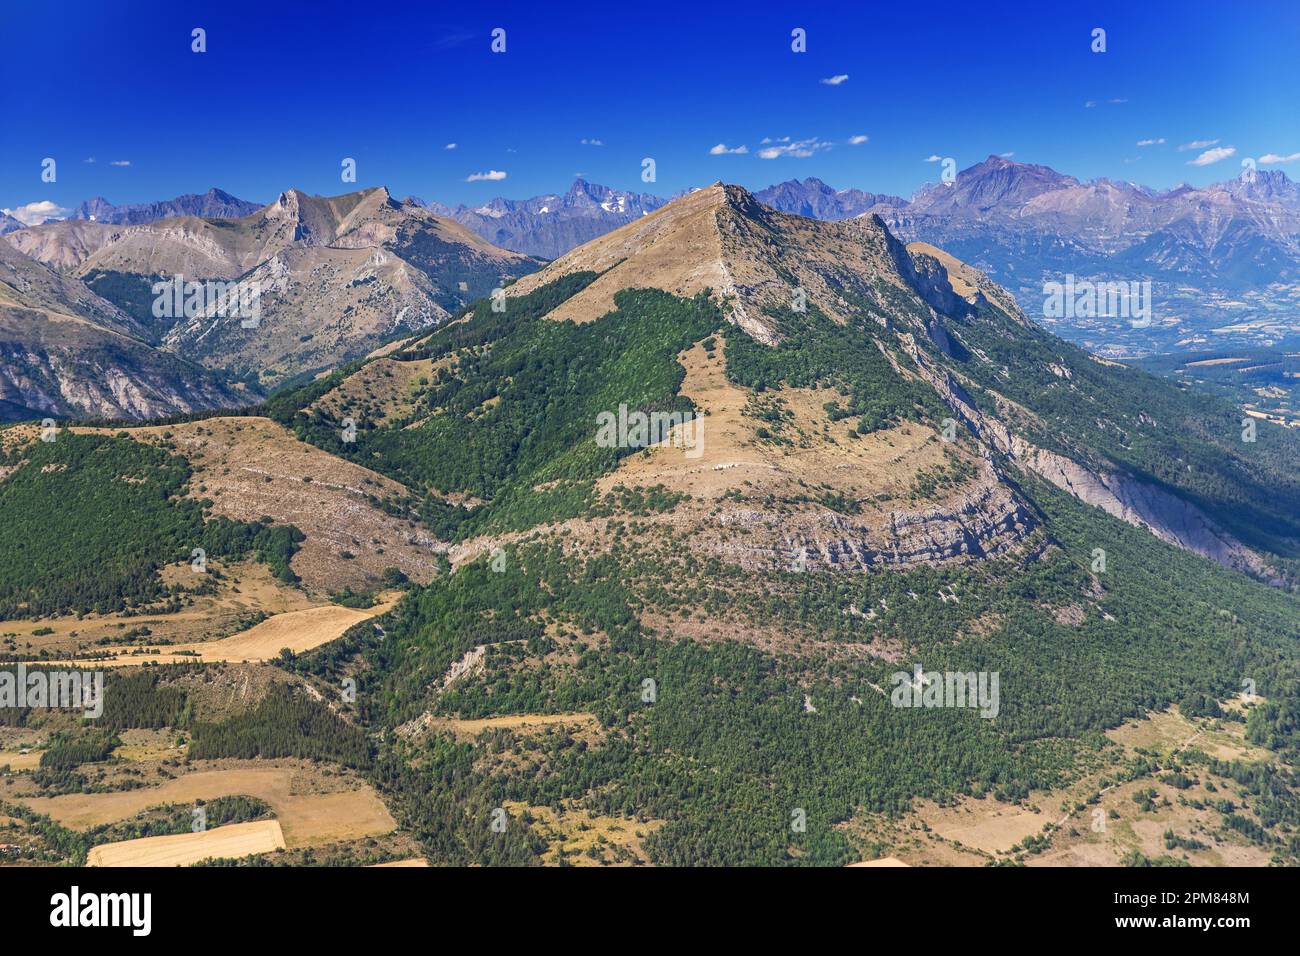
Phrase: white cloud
[90,160]
[799,148]
[490,175]
[933,158]
[1269,159]
[450,146]
[1212,156]
[35,213]
[1117,101]
[1008,154]
[835,80]
[120,162]
[1090,104]
[857,140]
[591,142]
[1151,142]
[1197,144]
[722,149]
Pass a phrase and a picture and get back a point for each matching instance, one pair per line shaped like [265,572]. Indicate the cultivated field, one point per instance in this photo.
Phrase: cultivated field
[311,808]
[246,588]
[299,631]
[418,861]
[17,760]
[470,729]
[182,849]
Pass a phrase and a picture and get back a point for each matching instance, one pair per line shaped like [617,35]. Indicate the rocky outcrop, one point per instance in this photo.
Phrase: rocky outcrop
[1143,505]
[985,520]
[1138,503]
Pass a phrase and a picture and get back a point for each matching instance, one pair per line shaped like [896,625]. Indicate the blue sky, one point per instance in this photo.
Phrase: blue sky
[286,91]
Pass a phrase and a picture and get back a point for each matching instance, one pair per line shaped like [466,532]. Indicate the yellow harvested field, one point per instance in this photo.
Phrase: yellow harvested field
[883,861]
[307,819]
[984,824]
[20,761]
[472,728]
[1216,361]
[246,587]
[182,849]
[393,864]
[299,631]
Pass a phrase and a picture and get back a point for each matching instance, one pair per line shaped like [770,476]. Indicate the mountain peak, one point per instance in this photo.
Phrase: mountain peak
[722,240]
[819,200]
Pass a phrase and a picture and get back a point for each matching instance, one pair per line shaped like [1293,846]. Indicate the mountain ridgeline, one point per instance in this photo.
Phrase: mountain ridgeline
[837,457]
[333,278]
[893,465]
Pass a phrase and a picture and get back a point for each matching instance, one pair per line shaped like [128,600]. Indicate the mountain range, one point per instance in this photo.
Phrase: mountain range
[549,226]
[1204,250]
[813,198]
[214,204]
[1231,249]
[364,267]
[651,543]
[336,277]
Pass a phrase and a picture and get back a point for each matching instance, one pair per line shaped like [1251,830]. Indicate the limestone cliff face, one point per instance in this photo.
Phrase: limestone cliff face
[1143,505]
[1138,503]
[985,521]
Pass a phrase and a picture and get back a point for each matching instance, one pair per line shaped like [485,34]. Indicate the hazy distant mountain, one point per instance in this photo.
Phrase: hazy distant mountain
[1230,249]
[1267,185]
[337,275]
[8,223]
[1021,222]
[213,204]
[551,225]
[815,199]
